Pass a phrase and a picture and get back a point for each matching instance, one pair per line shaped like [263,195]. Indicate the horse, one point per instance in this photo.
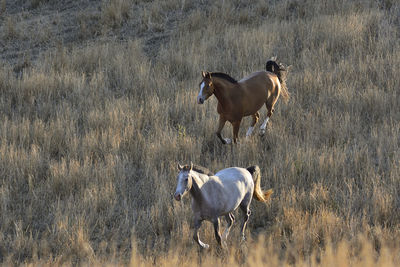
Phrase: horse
[219,195]
[238,99]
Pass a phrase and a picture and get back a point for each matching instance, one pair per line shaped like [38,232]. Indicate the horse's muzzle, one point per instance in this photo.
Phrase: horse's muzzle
[178,196]
[200,100]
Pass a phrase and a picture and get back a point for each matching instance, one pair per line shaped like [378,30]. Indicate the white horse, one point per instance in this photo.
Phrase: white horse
[219,195]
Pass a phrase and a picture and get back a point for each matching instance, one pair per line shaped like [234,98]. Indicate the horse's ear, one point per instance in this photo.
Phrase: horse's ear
[206,74]
[191,165]
[180,167]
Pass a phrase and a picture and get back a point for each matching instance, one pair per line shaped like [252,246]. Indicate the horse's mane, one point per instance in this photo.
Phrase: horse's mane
[223,76]
[199,169]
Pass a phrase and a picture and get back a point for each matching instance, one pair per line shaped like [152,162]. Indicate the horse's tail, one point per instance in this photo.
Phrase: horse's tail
[281,72]
[258,194]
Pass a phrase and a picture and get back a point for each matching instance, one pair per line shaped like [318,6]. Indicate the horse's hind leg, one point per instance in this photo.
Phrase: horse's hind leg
[197,224]
[270,108]
[244,206]
[229,219]
[246,215]
[255,116]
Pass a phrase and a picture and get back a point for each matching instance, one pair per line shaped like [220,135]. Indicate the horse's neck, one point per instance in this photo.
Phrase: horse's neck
[223,92]
[197,182]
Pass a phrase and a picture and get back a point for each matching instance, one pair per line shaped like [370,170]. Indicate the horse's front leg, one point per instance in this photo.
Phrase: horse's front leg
[236,126]
[216,230]
[197,224]
[221,125]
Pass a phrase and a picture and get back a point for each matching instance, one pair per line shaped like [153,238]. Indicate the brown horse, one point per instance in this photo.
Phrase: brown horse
[238,99]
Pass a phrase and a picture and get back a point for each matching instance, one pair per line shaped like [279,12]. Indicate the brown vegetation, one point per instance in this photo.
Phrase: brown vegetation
[92,128]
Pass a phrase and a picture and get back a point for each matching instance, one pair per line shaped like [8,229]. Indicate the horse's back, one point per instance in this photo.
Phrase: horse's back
[227,188]
[233,173]
[258,78]
[236,177]
[251,77]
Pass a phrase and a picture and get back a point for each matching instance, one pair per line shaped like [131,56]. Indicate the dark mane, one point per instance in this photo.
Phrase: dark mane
[223,76]
[199,169]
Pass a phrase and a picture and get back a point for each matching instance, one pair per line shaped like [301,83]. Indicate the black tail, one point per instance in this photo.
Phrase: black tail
[258,193]
[253,169]
[280,71]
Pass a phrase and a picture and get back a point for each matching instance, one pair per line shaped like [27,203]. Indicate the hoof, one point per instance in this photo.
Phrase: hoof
[227,141]
[249,132]
[262,132]
[205,246]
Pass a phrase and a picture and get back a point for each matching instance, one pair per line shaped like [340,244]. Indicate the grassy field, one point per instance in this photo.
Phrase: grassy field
[98,105]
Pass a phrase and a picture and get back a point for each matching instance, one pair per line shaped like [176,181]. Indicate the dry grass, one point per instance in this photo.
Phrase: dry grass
[9,29]
[115,12]
[90,136]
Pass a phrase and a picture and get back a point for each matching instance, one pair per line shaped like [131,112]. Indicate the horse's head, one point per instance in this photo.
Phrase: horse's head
[206,88]
[184,183]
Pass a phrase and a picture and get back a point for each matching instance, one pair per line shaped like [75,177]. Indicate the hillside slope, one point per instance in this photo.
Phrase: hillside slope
[98,105]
